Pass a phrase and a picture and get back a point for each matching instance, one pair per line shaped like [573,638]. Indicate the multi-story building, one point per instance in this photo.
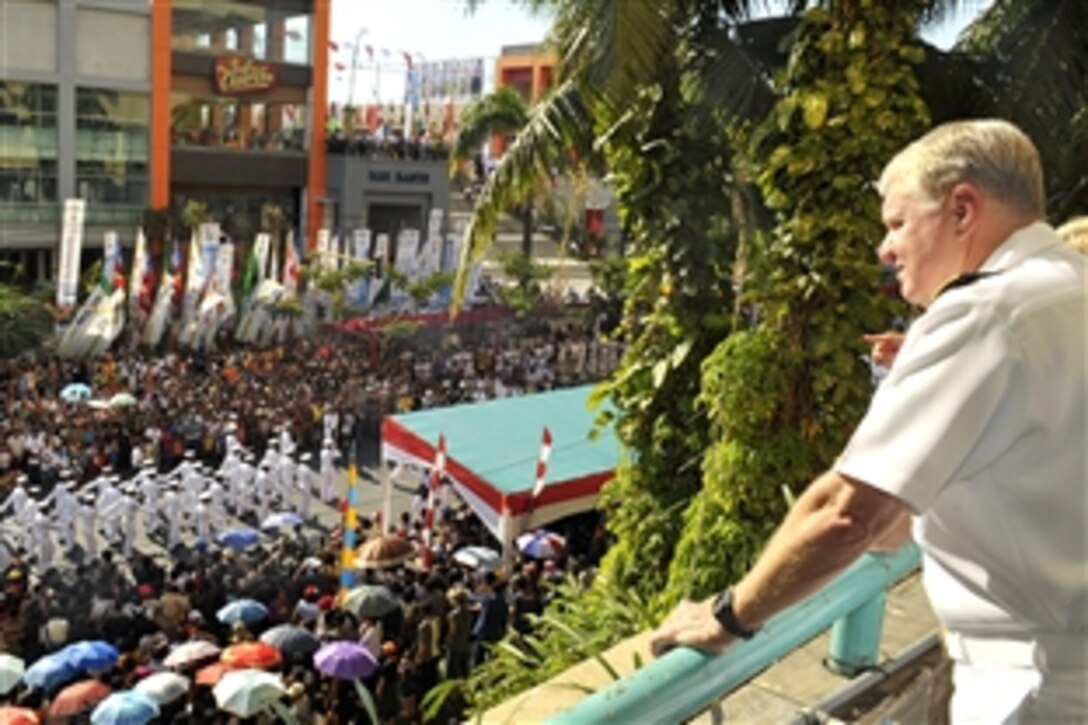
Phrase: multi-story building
[138,104]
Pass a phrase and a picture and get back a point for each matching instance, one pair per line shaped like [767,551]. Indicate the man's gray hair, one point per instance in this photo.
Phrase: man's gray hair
[992,154]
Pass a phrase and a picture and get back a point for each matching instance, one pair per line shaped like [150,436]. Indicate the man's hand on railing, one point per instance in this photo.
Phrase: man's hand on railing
[691,624]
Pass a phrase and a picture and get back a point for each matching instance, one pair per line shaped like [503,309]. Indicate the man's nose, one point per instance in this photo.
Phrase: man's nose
[884,251]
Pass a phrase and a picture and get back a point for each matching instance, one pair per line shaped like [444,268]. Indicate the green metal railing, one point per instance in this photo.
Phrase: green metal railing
[685,682]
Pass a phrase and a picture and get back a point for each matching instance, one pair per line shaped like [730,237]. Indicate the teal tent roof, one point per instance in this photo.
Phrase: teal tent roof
[499,441]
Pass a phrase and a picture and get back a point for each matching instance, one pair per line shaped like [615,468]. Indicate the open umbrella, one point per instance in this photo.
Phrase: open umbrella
[190,653]
[127,707]
[49,672]
[246,692]
[18,716]
[211,675]
[163,687]
[371,600]
[93,655]
[11,672]
[78,697]
[251,654]
[345,660]
[242,610]
[478,557]
[291,640]
[541,544]
[75,392]
[384,552]
[238,539]
[283,519]
[122,400]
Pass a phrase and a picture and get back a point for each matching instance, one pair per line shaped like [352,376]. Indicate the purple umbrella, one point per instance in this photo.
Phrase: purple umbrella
[345,660]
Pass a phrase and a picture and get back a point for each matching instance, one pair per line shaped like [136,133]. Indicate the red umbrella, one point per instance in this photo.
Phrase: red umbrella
[78,697]
[251,654]
[18,716]
[211,675]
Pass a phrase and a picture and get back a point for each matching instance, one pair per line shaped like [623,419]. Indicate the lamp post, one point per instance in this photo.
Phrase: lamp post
[354,63]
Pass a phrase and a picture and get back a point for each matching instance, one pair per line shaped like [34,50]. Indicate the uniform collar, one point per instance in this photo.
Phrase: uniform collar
[1021,244]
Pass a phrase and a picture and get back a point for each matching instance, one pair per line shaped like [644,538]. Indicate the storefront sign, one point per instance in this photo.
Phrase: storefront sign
[236,74]
[399,177]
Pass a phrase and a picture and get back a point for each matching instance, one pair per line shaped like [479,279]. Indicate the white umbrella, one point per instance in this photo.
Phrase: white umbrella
[186,654]
[163,687]
[11,672]
[246,692]
[478,557]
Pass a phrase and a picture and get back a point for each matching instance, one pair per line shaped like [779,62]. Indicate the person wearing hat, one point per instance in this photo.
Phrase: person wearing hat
[17,501]
[65,510]
[88,516]
[305,483]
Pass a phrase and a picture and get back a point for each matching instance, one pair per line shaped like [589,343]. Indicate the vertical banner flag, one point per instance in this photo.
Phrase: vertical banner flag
[324,251]
[381,253]
[224,268]
[360,239]
[291,271]
[359,293]
[254,273]
[407,248]
[139,269]
[542,462]
[432,259]
[348,543]
[71,245]
[209,250]
[111,257]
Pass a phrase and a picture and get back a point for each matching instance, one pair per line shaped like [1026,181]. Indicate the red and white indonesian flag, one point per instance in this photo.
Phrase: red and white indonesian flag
[542,462]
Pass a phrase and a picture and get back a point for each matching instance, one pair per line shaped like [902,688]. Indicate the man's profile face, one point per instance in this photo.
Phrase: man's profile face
[919,245]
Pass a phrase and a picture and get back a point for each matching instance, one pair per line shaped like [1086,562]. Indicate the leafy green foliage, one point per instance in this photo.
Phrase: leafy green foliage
[783,395]
[25,322]
[526,292]
[578,625]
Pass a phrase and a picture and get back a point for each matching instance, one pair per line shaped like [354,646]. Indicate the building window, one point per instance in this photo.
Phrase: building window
[237,123]
[249,28]
[112,147]
[28,151]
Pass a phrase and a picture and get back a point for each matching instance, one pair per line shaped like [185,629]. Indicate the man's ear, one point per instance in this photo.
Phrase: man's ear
[965,204]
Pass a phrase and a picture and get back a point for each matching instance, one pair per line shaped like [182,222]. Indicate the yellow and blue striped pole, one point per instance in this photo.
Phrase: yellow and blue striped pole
[347,541]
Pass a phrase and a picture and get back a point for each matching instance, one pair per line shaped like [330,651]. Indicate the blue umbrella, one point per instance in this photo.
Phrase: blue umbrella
[239,539]
[50,672]
[242,610]
[94,655]
[75,392]
[127,707]
[282,519]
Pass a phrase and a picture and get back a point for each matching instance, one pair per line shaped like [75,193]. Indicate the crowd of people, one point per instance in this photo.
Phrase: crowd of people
[209,443]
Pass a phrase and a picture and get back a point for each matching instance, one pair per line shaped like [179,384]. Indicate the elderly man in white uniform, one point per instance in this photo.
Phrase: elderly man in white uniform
[978,434]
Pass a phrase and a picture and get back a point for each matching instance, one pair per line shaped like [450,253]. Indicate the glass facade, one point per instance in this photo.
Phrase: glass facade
[112,153]
[237,123]
[252,29]
[28,152]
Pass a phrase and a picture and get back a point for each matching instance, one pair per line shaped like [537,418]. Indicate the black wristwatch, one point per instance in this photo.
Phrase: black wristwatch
[723,612]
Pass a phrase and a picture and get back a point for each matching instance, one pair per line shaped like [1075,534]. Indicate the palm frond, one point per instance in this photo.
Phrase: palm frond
[740,64]
[501,112]
[614,48]
[556,125]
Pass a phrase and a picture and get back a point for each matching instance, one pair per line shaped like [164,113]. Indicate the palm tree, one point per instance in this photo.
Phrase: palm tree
[505,113]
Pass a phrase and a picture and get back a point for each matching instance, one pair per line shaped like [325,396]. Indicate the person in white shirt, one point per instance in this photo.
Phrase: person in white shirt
[976,436]
[328,471]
